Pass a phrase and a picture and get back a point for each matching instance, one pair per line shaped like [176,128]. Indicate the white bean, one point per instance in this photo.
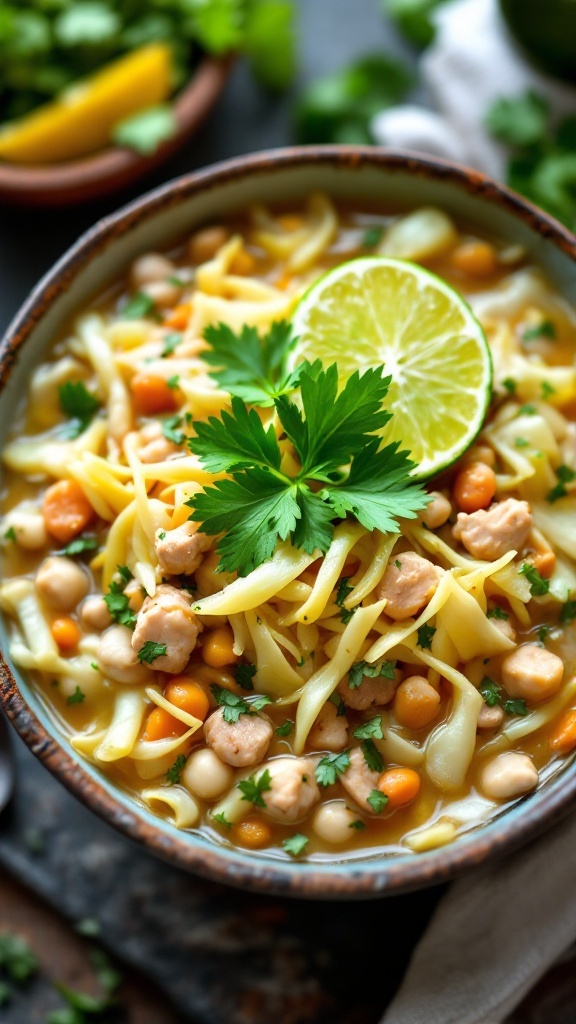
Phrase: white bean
[206,775]
[62,583]
[509,775]
[332,822]
[151,267]
[437,512]
[29,528]
[94,613]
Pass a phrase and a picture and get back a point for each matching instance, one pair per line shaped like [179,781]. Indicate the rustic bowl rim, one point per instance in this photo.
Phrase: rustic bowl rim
[373,876]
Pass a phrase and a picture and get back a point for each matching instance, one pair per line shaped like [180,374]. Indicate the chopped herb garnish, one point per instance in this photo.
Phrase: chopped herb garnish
[567,612]
[372,756]
[521,442]
[341,594]
[497,613]
[118,604]
[174,279]
[296,844]
[397,563]
[358,824]
[169,343]
[171,431]
[509,384]
[377,801]
[253,788]
[527,410]
[545,329]
[243,674]
[222,819]
[232,703]
[538,585]
[79,545]
[173,382]
[95,666]
[425,634]
[372,237]
[138,306]
[150,651]
[173,774]
[360,669]
[250,366]
[542,634]
[77,697]
[338,703]
[331,767]
[546,389]
[260,702]
[10,534]
[124,573]
[491,692]
[565,476]
[370,729]
[162,535]
[285,729]
[79,404]
[516,707]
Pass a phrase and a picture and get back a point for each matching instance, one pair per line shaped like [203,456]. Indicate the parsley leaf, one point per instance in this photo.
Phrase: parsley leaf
[372,756]
[79,545]
[77,697]
[520,121]
[425,634]
[360,669]
[341,594]
[497,613]
[243,674]
[173,774]
[10,534]
[516,707]
[545,329]
[171,431]
[538,585]
[119,605]
[253,788]
[491,692]
[565,476]
[233,704]
[285,729]
[145,131]
[358,824]
[138,306]
[222,819]
[295,844]
[173,382]
[169,343]
[567,612]
[370,729]
[79,404]
[377,801]
[372,237]
[338,703]
[251,367]
[150,651]
[509,384]
[331,767]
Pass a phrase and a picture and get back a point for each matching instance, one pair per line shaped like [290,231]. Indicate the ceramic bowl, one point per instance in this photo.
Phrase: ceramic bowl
[112,169]
[364,175]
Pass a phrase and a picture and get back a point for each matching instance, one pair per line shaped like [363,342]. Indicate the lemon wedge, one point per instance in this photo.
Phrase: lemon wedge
[79,122]
[379,310]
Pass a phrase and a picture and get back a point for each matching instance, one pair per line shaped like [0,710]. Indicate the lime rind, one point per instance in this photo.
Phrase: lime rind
[376,310]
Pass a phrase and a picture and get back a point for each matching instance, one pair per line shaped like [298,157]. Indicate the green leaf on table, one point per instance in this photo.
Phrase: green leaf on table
[519,121]
[270,42]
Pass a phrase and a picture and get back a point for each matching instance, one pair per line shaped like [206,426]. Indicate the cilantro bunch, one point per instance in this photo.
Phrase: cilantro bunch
[342,468]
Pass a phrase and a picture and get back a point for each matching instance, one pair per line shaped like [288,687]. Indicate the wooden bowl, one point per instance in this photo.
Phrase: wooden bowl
[109,170]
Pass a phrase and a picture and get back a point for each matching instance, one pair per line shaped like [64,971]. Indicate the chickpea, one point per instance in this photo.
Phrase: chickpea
[332,822]
[164,294]
[508,775]
[133,592]
[532,673]
[30,529]
[475,258]
[118,660]
[150,268]
[474,487]
[204,244]
[94,613]
[437,512]
[206,776]
[62,583]
[416,702]
[506,628]
[490,718]
[479,453]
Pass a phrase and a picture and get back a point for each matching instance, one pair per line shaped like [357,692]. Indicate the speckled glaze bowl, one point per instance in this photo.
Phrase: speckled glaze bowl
[358,174]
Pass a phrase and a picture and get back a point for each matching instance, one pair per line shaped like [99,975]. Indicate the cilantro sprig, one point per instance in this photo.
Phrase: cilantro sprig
[332,435]
[79,405]
[250,366]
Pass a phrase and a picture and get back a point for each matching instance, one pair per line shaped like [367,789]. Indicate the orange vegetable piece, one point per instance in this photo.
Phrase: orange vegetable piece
[563,735]
[416,702]
[178,317]
[66,510]
[66,633]
[152,394]
[217,649]
[243,263]
[400,785]
[253,833]
[161,725]
[544,562]
[186,694]
[477,259]
[474,487]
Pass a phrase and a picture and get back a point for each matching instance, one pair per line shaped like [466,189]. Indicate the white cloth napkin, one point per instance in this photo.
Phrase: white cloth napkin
[497,930]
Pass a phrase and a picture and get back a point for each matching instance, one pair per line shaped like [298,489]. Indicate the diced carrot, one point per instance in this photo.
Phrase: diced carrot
[477,259]
[188,695]
[543,561]
[160,725]
[400,785]
[474,487]
[243,263]
[178,317]
[66,633]
[152,394]
[253,833]
[563,735]
[217,649]
[283,281]
[66,510]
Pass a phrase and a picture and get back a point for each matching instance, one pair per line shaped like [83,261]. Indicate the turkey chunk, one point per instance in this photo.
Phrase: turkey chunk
[408,584]
[167,618]
[330,730]
[181,550]
[359,780]
[490,534]
[372,690]
[293,789]
[240,743]
[532,673]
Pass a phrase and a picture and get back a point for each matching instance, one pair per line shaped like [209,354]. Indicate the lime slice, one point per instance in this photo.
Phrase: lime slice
[378,310]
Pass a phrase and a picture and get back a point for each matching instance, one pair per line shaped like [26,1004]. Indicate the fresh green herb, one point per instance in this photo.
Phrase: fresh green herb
[295,844]
[521,442]
[16,958]
[546,389]
[169,343]
[118,605]
[542,634]
[150,651]
[233,705]
[377,801]
[89,927]
[124,573]
[244,674]
[79,404]
[372,237]
[545,329]
[527,410]
[370,729]
[77,697]
[222,819]
[567,612]
[285,729]
[253,788]
[173,774]
[79,545]
[338,703]
[491,692]
[340,107]
[250,366]
[425,634]
[270,42]
[372,756]
[497,613]
[175,280]
[261,504]
[361,669]
[138,306]
[171,430]
[10,534]
[397,563]
[341,594]
[358,824]
[173,382]
[260,702]
[538,585]
[413,18]
[516,707]
[520,121]
[161,534]
[509,384]
[145,131]
[331,767]
[565,476]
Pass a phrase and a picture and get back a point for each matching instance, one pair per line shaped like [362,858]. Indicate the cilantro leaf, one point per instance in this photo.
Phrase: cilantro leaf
[79,404]
[538,585]
[10,534]
[171,430]
[372,756]
[77,697]
[497,613]
[338,703]
[232,703]
[79,545]
[237,440]
[285,729]
[222,819]
[510,385]
[363,668]
[260,702]
[370,729]
[519,121]
[516,707]
[173,774]
[169,343]
[253,788]
[119,605]
[413,19]
[150,651]
[372,237]
[243,674]
[425,634]
[138,306]
[329,768]
[295,844]
[358,824]
[565,476]
[567,612]
[341,594]
[377,801]
[491,692]
[252,367]
[145,131]
[545,329]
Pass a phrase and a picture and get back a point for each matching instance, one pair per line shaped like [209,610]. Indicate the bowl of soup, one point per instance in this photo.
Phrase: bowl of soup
[209,632]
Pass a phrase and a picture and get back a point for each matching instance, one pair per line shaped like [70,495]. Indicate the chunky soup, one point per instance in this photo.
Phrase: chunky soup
[245,654]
